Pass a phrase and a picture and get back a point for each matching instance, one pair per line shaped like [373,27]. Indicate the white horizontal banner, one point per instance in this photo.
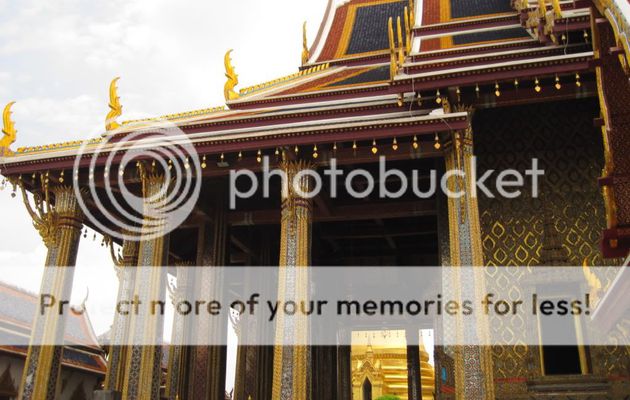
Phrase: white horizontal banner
[331,306]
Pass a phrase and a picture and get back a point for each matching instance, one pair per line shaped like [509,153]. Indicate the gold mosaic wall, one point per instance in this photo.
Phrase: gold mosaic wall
[569,149]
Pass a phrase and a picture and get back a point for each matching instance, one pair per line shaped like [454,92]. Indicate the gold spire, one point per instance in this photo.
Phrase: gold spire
[115,108]
[306,55]
[8,129]
[232,78]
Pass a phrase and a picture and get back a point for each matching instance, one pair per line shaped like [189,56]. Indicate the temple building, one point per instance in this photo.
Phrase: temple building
[428,84]
[379,370]
[83,365]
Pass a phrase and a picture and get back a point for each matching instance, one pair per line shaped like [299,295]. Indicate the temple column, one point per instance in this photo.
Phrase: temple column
[59,224]
[207,364]
[126,272]
[473,363]
[247,355]
[143,370]
[414,386]
[291,363]
[264,354]
[177,356]
[344,379]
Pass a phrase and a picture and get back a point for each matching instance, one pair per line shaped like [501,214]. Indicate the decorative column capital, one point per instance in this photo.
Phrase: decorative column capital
[295,186]
[53,208]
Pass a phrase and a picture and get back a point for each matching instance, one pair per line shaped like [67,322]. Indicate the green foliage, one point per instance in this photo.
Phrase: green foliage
[388,397]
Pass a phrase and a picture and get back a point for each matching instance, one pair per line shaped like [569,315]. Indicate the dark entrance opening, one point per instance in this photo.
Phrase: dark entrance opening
[367,389]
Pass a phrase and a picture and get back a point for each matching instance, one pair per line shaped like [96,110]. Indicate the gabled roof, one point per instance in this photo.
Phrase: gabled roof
[358,28]
[17,312]
[458,44]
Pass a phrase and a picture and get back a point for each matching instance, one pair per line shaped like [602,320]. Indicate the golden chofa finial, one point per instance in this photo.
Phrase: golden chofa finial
[306,55]
[392,49]
[8,130]
[232,79]
[115,108]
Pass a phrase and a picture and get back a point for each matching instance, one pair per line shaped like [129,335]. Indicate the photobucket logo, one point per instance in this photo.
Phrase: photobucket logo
[140,186]
[454,183]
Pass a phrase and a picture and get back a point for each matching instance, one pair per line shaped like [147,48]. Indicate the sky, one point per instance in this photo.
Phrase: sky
[57,59]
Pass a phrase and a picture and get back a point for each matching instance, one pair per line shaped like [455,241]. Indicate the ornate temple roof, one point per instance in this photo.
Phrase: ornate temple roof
[17,312]
[356,28]
[356,61]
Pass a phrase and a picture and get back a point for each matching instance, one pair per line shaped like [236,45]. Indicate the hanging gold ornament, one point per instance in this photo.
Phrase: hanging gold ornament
[438,97]
[437,145]
[577,80]
[354,145]
[415,143]
[516,83]
[374,148]
[395,144]
[259,156]
[335,146]
[497,90]
[296,149]
[315,154]
[203,161]
[61,177]
[537,87]
[419,99]
[240,155]
[477,90]
[277,152]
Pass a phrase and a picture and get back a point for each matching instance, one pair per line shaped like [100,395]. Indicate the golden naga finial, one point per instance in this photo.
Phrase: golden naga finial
[401,43]
[594,283]
[232,79]
[8,129]
[114,106]
[557,9]
[306,55]
[393,66]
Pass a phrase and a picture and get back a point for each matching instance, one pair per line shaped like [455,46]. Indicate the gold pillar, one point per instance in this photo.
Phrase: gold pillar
[117,357]
[473,364]
[59,224]
[291,363]
[143,365]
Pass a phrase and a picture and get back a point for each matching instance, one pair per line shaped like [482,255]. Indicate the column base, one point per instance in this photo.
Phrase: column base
[107,395]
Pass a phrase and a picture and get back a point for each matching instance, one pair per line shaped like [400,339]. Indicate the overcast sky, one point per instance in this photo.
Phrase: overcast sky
[58,57]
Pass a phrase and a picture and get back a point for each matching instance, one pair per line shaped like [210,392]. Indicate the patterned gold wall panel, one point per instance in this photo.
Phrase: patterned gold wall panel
[569,149]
